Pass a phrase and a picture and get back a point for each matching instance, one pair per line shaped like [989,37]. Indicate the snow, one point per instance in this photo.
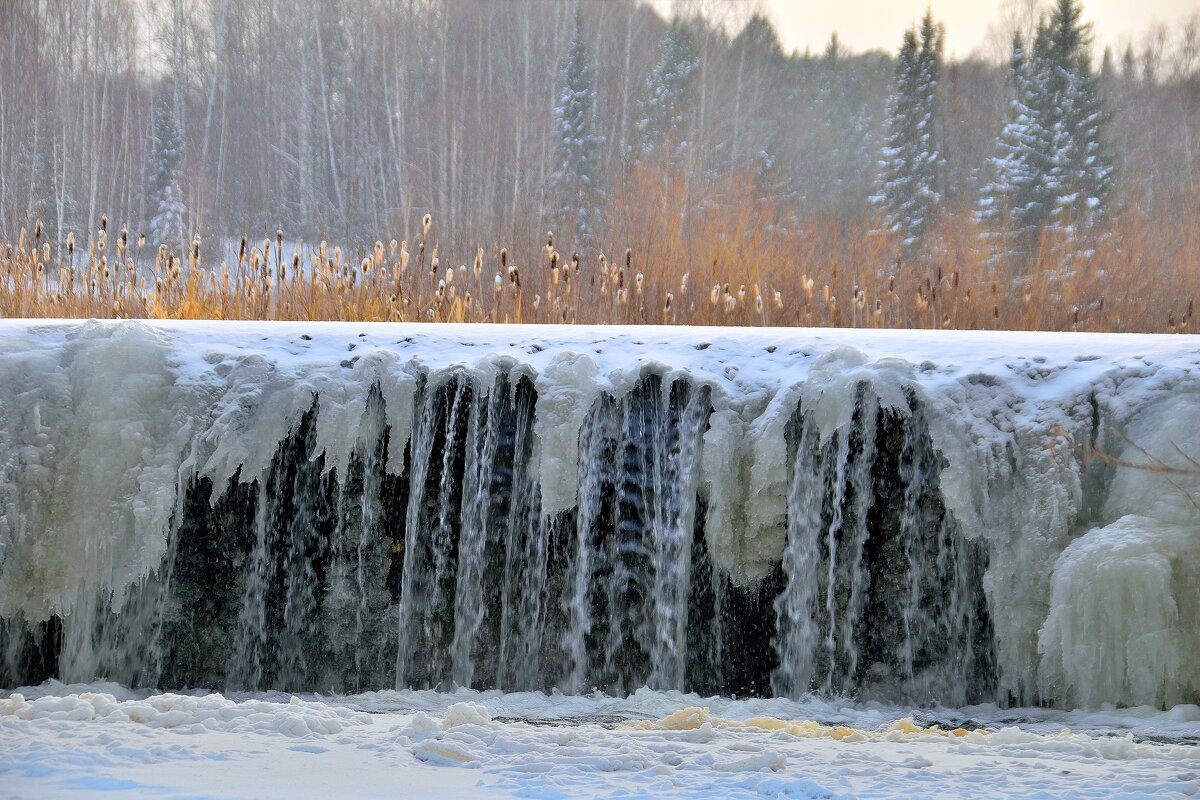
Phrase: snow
[99,419]
[83,741]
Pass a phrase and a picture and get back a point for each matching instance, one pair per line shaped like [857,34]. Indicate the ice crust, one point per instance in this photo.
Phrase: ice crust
[1091,580]
[70,740]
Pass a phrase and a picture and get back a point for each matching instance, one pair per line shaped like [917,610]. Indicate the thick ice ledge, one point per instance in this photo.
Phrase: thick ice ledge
[102,423]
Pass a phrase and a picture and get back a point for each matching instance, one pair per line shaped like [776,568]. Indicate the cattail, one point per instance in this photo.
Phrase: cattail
[499,283]
[514,276]
[741,293]
[477,268]
[101,240]
[638,281]
[46,251]
[683,282]
[758,303]
[141,240]
[537,302]
[426,221]
[668,301]
[37,231]
[628,258]
[449,279]
[104,222]
[778,300]
[71,244]
[404,257]
[554,276]
[730,303]
[553,259]
[1028,293]
[503,257]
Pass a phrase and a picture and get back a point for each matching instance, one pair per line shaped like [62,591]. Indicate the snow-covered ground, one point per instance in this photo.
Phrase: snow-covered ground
[103,741]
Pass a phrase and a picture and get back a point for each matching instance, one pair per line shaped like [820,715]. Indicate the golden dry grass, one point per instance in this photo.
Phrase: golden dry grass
[673,263]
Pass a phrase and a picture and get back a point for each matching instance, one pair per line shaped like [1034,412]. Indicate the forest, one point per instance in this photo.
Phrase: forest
[697,169]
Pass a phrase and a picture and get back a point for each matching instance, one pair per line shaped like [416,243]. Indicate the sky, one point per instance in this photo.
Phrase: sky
[867,24]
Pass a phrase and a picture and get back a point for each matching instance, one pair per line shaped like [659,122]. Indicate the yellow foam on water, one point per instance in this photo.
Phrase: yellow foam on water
[695,717]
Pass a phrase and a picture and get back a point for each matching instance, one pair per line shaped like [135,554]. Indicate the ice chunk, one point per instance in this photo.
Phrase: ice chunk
[1122,611]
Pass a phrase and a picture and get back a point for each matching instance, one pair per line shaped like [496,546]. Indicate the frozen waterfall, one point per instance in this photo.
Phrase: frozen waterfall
[908,516]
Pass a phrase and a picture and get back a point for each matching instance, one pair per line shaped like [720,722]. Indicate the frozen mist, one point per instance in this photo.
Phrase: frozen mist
[336,507]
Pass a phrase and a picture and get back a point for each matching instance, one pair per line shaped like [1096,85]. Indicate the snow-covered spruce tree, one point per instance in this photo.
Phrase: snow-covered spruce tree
[1052,169]
[1015,203]
[666,113]
[912,170]
[576,170]
[166,192]
[1081,170]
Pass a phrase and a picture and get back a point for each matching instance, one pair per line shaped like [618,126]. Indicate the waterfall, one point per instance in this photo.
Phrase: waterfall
[545,523]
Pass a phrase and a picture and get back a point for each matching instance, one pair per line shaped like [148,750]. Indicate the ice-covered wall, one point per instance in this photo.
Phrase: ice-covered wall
[902,514]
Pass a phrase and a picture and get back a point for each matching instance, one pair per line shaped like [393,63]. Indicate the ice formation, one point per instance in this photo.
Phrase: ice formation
[905,516]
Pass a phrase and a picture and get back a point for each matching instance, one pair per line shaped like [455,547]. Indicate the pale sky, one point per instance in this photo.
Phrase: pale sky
[866,24]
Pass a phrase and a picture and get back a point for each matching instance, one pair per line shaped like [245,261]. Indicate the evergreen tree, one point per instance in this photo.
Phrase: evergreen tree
[666,113]
[166,192]
[34,177]
[577,168]
[1052,169]
[1081,172]
[1014,205]
[912,171]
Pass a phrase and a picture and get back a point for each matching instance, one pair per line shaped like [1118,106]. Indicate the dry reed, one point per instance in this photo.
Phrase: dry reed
[683,258]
